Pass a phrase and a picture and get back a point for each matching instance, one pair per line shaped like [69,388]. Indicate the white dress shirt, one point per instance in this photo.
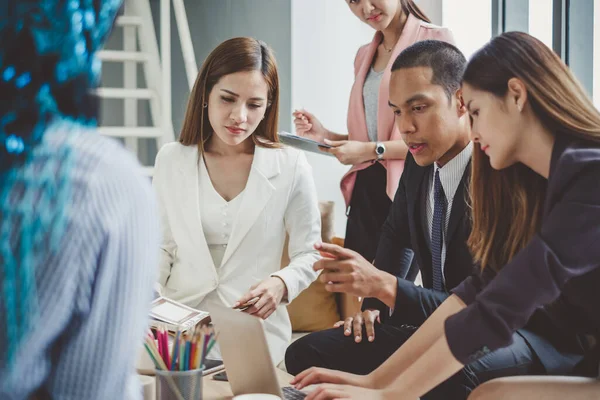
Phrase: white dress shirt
[450,177]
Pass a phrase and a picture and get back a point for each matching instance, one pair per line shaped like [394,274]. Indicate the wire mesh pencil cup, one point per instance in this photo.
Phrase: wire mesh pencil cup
[179,385]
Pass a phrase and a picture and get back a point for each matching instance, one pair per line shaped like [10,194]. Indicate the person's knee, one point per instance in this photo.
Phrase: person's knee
[299,356]
[457,387]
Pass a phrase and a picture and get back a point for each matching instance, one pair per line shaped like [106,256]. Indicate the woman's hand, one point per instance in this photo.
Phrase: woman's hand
[351,152]
[316,375]
[329,391]
[269,292]
[308,126]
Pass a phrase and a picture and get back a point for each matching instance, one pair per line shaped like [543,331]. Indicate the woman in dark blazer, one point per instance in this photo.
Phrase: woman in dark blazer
[536,228]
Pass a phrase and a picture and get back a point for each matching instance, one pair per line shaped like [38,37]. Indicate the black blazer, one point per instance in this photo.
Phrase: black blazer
[553,284]
[403,247]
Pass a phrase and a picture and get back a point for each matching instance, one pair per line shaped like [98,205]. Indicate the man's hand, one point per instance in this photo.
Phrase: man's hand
[366,318]
[346,271]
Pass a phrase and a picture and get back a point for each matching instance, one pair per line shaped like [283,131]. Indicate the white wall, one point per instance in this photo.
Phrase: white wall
[325,38]
[433,9]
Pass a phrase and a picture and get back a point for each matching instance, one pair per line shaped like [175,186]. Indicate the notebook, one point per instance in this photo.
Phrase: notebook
[174,315]
[303,143]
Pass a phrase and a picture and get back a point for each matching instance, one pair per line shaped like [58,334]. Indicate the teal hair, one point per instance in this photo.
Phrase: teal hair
[32,227]
[48,64]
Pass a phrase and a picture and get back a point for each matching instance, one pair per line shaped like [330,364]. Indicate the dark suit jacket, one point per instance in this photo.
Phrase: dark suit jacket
[553,284]
[403,247]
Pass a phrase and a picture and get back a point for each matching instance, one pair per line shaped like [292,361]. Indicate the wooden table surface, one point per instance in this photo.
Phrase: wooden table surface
[218,390]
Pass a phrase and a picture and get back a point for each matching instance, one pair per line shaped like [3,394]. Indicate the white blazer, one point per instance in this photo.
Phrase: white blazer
[280,196]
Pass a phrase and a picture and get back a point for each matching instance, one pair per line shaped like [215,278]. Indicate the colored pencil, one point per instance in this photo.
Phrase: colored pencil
[182,354]
[193,354]
[159,363]
[175,350]
[198,352]
[212,341]
[152,356]
[165,338]
[188,348]
[201,349]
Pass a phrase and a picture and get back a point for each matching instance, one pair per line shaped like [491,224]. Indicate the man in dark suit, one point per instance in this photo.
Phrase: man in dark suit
[427,230]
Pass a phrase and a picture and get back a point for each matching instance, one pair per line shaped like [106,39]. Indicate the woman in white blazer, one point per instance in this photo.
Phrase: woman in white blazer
[229,193]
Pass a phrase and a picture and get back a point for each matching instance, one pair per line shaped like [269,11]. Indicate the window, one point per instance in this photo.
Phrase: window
[596,90]
[470,21]
[540,20]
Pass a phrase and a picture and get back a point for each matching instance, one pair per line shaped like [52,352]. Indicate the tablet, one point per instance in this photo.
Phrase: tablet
[303,143]
[175,315]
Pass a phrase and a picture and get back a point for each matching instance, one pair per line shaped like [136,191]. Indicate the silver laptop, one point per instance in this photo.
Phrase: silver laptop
[246,355]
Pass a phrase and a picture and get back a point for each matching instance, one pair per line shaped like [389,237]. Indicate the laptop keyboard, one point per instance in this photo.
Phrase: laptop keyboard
[290,393]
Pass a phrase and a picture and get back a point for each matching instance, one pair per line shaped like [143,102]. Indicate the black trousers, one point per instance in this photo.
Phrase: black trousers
[369,207]
[331,349]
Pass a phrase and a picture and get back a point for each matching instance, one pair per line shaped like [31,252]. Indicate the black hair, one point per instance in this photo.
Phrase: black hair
[447,63]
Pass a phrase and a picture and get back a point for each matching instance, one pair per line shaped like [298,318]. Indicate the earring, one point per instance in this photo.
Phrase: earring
[205,105]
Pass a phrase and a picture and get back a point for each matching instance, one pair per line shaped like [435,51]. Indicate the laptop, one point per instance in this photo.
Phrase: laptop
[244,349]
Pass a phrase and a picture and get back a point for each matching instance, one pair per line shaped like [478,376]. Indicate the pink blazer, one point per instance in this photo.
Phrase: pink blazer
[414,31]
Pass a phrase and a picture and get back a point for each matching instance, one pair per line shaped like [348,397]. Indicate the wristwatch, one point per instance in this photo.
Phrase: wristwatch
[379,150]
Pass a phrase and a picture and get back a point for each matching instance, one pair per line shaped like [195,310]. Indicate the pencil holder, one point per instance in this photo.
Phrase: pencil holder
[179,385]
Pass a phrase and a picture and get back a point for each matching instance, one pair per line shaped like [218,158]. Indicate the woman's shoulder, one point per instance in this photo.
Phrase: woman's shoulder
[286,155]
[284,158]
[429,25]
[362,49]
[575,164]
[103,177]
[87,152]
[430,31]
[571,150]
[174,150]
[104,164]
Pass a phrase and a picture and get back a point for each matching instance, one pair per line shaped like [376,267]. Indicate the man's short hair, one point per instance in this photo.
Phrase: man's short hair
[447,63]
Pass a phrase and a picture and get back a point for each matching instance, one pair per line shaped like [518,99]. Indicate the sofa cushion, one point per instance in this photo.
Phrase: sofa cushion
[315,309]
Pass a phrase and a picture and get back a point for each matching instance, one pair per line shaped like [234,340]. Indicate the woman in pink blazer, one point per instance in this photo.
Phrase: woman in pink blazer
[373,145]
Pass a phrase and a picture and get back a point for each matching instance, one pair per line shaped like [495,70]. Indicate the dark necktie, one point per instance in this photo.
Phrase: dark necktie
[437,232]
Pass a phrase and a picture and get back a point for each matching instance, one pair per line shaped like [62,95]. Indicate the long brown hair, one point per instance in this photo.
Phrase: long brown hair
[410,7]
[234,55]
[507,205]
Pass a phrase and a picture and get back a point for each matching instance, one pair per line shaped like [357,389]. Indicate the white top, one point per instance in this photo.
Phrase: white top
[450,177]
[217,215]
[280,197]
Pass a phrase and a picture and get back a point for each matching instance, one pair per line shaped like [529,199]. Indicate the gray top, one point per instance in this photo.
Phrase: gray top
[371,99]
[94,294]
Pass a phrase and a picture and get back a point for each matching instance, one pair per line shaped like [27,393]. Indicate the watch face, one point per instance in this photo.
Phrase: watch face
[380,149]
